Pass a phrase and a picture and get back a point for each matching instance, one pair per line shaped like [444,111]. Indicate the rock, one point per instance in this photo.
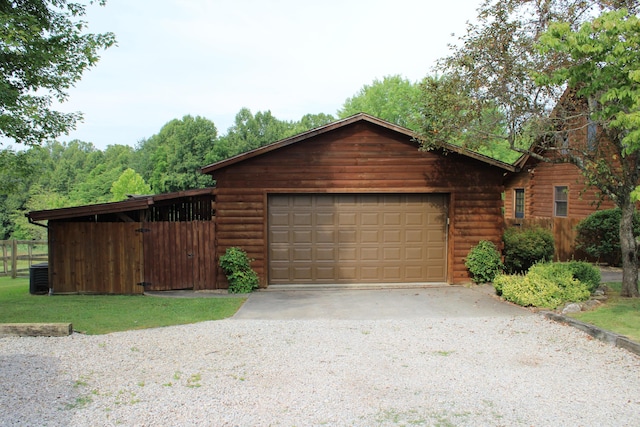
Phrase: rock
[572,308]
[591,304]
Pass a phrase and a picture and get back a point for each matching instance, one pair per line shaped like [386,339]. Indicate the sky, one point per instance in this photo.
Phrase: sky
[211,58]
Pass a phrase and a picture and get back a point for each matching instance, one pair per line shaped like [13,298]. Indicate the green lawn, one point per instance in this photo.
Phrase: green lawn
[101,314]
[619,315]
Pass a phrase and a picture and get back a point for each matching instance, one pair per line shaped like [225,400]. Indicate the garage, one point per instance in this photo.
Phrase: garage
[357,238]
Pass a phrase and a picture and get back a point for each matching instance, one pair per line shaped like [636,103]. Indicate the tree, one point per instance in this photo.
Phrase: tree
[252,131]
[130,182]
[43,52]
[393,99]
[603,76]
[509,63]
[176,154]
[96,186]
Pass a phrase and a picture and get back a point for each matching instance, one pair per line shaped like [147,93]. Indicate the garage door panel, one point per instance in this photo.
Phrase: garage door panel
[392,237]
[325,253]
[303,237]
[369,236]
[369,254]
[347,236]
[279,236]
[347,219]
[357,238]
[325,236]
[346,254]
[324,219]
[304,218]
[370,219]
[302,254]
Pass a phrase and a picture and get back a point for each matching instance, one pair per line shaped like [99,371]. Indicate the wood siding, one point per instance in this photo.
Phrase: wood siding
[539,181]
[178,255]
[103,258]
[358,158]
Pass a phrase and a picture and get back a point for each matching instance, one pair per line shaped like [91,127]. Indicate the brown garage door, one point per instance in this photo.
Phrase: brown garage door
[378,238]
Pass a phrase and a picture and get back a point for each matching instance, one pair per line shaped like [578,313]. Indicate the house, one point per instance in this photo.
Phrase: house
[352,202]
[357,201]
[554,194]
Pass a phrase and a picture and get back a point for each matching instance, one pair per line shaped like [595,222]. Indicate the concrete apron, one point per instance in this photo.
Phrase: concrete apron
[375,302]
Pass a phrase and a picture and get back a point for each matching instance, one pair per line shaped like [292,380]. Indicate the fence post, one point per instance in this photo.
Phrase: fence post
[14,258]
[5,265]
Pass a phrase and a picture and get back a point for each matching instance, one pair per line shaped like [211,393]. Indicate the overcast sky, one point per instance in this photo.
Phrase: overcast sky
[213,57]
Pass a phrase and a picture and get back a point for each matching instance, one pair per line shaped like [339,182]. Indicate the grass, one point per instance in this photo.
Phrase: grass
[102,314]
[617,314]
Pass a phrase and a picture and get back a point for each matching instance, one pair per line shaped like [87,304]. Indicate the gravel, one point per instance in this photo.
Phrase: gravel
[517,371]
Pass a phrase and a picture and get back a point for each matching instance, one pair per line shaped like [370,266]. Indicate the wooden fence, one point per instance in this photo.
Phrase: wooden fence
[18,256]
[564,234]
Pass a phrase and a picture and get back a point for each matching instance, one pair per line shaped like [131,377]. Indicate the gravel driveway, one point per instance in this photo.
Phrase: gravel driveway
[441,371]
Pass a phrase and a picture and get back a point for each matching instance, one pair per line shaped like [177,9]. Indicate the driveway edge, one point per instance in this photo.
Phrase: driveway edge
[601,334]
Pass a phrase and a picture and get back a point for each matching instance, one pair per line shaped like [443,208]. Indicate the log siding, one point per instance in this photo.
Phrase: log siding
[359,158]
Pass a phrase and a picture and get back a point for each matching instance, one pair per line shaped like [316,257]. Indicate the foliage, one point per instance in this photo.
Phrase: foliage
[525,247]
[176,154]
[546,285]
[129,183]
[237,267]
[103,314]
[598,235]
[45,51]
[520,58]
[253,131]
[393,99]
[585,273]
[484,262]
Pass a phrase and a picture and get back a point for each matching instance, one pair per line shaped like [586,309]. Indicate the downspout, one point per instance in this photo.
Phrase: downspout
[31,221]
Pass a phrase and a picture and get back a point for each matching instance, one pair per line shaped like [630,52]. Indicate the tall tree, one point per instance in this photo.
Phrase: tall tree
[394,99]
[44,50]
[178,152]
[130,182]
[251,131]
[603,75]
[509,63]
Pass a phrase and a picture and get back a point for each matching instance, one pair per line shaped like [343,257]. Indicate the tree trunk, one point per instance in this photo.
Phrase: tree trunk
[628,246]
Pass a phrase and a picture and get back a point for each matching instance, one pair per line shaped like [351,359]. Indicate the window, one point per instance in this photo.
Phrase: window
[518,208]
[561,200]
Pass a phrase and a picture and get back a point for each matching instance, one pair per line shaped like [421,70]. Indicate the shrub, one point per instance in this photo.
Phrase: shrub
[525,247]
[484,262]
[599,235]
[586,273]
[237,267]
[546,285]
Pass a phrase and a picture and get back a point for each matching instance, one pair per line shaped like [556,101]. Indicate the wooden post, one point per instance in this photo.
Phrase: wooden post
[14,259]
[5,265]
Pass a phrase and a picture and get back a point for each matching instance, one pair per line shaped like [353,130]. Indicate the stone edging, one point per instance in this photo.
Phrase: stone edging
[600,334]
[36,329]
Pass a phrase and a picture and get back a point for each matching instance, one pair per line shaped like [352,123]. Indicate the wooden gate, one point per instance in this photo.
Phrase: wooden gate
[179,255]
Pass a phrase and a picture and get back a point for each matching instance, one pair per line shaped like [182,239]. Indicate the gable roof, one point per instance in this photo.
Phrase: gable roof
[361,117]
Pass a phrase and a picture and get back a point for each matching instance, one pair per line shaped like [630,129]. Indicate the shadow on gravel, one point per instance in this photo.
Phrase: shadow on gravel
[31,392]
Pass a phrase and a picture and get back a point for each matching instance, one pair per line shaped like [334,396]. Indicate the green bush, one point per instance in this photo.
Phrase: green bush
[586,273]
[599,235]
[525,247]
[484,262]
[546,285]
[237,267]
